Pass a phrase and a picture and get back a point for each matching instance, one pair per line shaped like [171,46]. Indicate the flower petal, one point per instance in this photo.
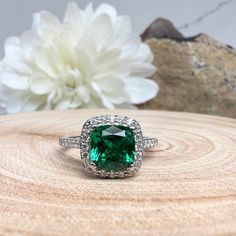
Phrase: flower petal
[126,106]
[83,94]
[64,104]
[131,47]
[42,85]
[141,90]
[15,56]
[144,54]
[76,102]
[111,84]
[106,103]
[86,48]
[29,40]
[108,60]
[73,15]
[32,103]
[142,69]
[113,89]
[116,99]
[108,10]
[88,13]
[12,41]
[101,31]
[123,27]
[22,102]
[15,81]
[45,21]
[14,105]
[46,61]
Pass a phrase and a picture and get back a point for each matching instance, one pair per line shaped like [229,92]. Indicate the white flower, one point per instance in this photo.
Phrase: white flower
[90,59]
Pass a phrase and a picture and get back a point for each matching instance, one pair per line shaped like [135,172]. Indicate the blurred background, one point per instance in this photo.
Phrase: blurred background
[214,17]
[194,74]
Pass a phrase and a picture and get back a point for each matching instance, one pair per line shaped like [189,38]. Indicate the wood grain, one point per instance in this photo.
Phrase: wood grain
[186,186]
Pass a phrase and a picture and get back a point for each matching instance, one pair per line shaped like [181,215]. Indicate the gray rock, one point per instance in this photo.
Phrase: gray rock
[195,74]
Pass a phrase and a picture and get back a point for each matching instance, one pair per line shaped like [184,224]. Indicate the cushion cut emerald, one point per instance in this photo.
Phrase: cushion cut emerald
[112,147]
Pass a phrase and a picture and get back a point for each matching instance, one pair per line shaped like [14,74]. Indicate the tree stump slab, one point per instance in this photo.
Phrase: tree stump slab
[186,186]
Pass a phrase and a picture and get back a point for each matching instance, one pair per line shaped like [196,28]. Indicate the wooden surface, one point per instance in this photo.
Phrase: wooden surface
[186,186]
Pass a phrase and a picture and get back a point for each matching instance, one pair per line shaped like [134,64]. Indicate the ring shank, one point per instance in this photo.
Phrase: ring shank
[74,142]
[70,142]
[149,142]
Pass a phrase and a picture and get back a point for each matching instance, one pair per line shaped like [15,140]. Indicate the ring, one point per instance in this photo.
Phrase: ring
[110,146]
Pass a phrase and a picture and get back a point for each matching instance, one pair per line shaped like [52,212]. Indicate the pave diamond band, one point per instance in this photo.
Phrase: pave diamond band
[74,142]
[110,146]
[70,142]
[149,142]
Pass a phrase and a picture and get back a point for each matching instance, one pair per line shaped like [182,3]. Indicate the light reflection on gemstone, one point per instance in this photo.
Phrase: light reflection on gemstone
[112,147]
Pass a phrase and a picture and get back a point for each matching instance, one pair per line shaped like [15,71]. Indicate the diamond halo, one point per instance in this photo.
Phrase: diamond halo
[97,121]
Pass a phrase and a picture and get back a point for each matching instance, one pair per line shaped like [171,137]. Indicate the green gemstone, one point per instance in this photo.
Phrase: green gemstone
[112,147]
